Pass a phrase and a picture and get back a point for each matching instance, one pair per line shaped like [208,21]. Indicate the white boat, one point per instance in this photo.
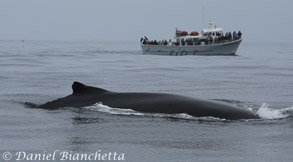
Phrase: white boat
[211,41]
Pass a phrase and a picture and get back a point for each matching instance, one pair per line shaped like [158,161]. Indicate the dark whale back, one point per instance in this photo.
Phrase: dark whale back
[84,95]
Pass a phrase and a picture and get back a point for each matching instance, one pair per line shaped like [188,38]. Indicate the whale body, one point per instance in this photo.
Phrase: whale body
[84,95]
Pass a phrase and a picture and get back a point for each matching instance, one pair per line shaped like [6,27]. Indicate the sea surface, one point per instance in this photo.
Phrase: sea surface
[259,78]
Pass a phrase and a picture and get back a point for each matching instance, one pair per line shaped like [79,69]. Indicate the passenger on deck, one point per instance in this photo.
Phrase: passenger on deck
[182,42]
[165,43]
[222,38]
[239,34]
[144,41]
[216,40]
[188,42]
[234,35]
[211,40]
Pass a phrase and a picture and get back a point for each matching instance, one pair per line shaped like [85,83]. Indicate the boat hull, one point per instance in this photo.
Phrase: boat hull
[228,48]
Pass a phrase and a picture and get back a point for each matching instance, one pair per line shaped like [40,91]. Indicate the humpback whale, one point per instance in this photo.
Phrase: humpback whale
[84,95]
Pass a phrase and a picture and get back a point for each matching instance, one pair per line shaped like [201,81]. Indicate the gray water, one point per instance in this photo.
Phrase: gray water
[259,79]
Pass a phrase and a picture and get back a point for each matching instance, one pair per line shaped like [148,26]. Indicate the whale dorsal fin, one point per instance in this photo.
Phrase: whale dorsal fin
[78,87]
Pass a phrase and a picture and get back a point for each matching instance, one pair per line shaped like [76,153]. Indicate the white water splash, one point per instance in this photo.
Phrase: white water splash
[118,111]
[268,113]
[106,109]
[264,112]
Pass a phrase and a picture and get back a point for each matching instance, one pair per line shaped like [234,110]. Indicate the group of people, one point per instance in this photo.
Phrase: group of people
[224,38]
[209,39]
[145,40]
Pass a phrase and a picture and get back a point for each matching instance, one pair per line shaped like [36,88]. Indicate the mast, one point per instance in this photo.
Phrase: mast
[202,15]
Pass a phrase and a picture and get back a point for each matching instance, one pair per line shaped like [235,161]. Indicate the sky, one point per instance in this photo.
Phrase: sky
[262,21]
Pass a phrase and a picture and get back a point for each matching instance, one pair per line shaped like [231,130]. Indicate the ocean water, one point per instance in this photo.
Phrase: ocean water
[259,78]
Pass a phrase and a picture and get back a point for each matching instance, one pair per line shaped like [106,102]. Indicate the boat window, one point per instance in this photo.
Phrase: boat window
[213,34]
[207,33]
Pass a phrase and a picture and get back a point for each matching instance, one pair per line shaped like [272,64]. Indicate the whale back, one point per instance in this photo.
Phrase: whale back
[84,95]
[79,88]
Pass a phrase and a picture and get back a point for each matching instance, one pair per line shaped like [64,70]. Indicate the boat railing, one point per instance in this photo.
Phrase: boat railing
[198,43]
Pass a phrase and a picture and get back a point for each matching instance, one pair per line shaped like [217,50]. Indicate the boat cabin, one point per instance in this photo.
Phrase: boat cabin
[183,36]
[213,32]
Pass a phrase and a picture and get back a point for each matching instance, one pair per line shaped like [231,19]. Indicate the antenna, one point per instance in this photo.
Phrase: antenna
[210,23]
[203,16]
